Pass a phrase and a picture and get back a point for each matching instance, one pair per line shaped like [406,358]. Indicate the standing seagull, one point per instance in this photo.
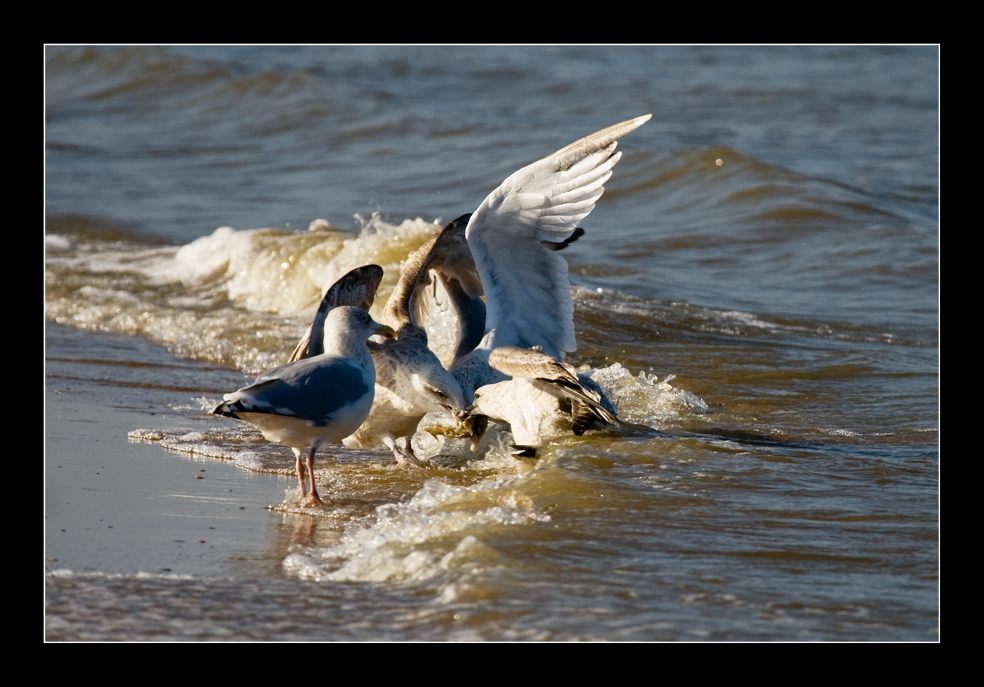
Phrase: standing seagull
[319,399]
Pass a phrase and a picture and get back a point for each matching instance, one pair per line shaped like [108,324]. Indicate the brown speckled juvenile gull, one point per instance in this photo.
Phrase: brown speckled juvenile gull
[541,389]
[410,380]
[357,289]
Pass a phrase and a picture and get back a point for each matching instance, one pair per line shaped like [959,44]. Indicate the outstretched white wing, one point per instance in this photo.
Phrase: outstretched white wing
[527,291]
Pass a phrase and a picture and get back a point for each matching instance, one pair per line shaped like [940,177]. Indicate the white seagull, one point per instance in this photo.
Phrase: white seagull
[507,250]
[513,240]
[322,398]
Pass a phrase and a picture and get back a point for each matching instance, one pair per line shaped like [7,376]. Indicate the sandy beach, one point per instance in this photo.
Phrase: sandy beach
[116,504]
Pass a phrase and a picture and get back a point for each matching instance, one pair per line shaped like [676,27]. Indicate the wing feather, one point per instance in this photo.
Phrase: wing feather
[357,288]
[313,389]
[526,284]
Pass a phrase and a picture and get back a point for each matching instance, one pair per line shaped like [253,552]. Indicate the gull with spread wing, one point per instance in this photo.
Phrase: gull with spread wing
[507,251]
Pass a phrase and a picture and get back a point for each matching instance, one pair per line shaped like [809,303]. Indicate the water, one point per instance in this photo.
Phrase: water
[758,287]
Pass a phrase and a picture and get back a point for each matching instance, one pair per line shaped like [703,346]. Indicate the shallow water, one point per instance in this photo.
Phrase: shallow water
[757,289]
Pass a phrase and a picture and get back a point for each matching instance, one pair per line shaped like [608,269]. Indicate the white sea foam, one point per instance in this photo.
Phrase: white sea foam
[429,536]
[643,398]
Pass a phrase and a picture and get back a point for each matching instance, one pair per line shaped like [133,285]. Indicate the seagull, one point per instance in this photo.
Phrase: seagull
[410,380]
[507,253]
[322,398]
[513,240]
[540,389]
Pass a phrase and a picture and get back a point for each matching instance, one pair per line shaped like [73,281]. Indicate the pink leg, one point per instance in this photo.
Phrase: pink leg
[313,498]
[300,471]
[405,456]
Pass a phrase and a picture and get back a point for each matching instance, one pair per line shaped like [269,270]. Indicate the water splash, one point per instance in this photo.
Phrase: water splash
[433,535]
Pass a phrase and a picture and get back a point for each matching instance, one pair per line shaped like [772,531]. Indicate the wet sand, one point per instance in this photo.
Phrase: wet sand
[116,505]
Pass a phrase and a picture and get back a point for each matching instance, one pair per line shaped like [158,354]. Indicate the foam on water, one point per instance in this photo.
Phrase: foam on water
[434,534]
[287,272]
[232,297]
[644,399]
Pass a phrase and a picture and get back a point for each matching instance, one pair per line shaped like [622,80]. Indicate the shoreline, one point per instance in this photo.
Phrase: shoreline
[118,505]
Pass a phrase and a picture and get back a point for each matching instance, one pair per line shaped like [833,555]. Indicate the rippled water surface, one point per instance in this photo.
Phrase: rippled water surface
[757,290]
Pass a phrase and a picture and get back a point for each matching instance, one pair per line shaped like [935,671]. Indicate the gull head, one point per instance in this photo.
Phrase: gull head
[437,390]
[347,326]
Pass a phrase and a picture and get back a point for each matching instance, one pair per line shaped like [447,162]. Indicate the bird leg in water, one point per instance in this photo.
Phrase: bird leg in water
[311,499]
[403,454]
